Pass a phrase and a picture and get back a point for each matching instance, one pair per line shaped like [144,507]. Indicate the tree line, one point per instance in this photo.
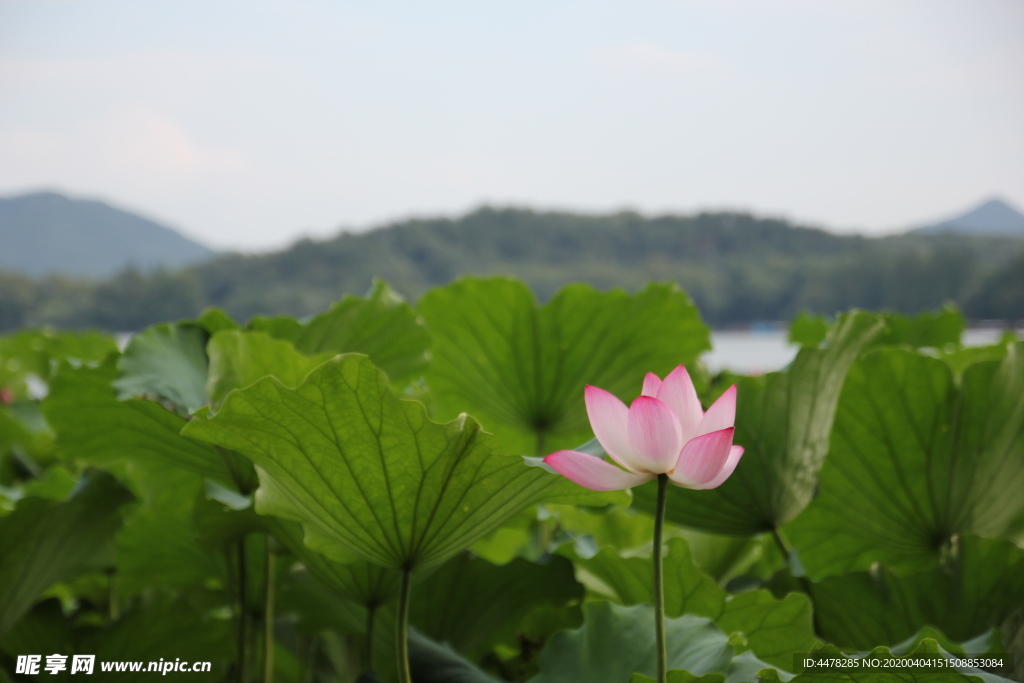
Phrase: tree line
[738,268]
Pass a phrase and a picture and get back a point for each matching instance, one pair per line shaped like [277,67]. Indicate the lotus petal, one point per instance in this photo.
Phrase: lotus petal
[678,393]
[651,385]
[655,437]
[721,415]
[608,419]
[592,472]
[703,459]
[735,453]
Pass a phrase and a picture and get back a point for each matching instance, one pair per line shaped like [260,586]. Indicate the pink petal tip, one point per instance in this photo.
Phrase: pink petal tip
[592,472]
[703,459]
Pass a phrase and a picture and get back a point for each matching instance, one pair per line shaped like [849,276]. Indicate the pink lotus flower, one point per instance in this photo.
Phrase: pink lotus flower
[665,431]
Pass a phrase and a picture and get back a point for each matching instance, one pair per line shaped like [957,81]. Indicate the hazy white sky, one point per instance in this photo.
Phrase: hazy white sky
[248,124]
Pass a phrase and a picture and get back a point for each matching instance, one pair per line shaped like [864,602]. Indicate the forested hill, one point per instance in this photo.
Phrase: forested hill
[737,267]
[46,232]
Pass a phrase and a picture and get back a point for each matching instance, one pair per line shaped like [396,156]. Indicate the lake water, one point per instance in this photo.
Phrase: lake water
[755,352]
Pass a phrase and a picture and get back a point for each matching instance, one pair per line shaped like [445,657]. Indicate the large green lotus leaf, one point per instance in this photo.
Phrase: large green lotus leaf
[226,528]
[42,542]
[745,668]
[166,362]
[989,642]
[316,607]
[474,605]
[281,327]
[49,345]
[724,558]
[214,320]
[629,579]
[940,329]
[238,359]
[382,326]
[516,537]
[93,426]
[773,629]
[962,358]
[619,528]
[55,483]
[25,435]
[680,676]
[158,544]
[783,419]
[980,584]
[370,473]
[916,459]
[928,646]
[536,532]
[12,430]
[223,517]
[521,368]
[850,674]
[432,662]
[42,629]
[37,352]
[808,330]
[358,580]
[615,642]
[319,608]
[936,330]
[163,629]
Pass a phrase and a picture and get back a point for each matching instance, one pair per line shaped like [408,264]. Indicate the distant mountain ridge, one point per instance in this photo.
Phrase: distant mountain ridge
[738,268]
[46,232]
[994,217]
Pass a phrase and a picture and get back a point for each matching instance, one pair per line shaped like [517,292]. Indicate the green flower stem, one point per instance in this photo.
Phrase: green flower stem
[268,614]
[404,675]
[115,607]
[805,584]
[780,540]
[305,648]
[243,614]
[659,587]
[371,612]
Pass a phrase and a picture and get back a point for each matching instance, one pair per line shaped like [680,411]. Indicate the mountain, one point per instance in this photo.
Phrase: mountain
[47,233]
[994,217]
[738,268]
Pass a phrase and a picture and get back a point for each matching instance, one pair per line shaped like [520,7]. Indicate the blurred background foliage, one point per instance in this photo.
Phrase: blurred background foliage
[738,268]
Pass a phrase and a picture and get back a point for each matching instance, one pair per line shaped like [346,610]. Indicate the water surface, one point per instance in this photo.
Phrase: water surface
[747,352]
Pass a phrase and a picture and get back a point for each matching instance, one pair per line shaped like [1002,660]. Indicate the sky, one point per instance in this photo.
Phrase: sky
[246,125]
